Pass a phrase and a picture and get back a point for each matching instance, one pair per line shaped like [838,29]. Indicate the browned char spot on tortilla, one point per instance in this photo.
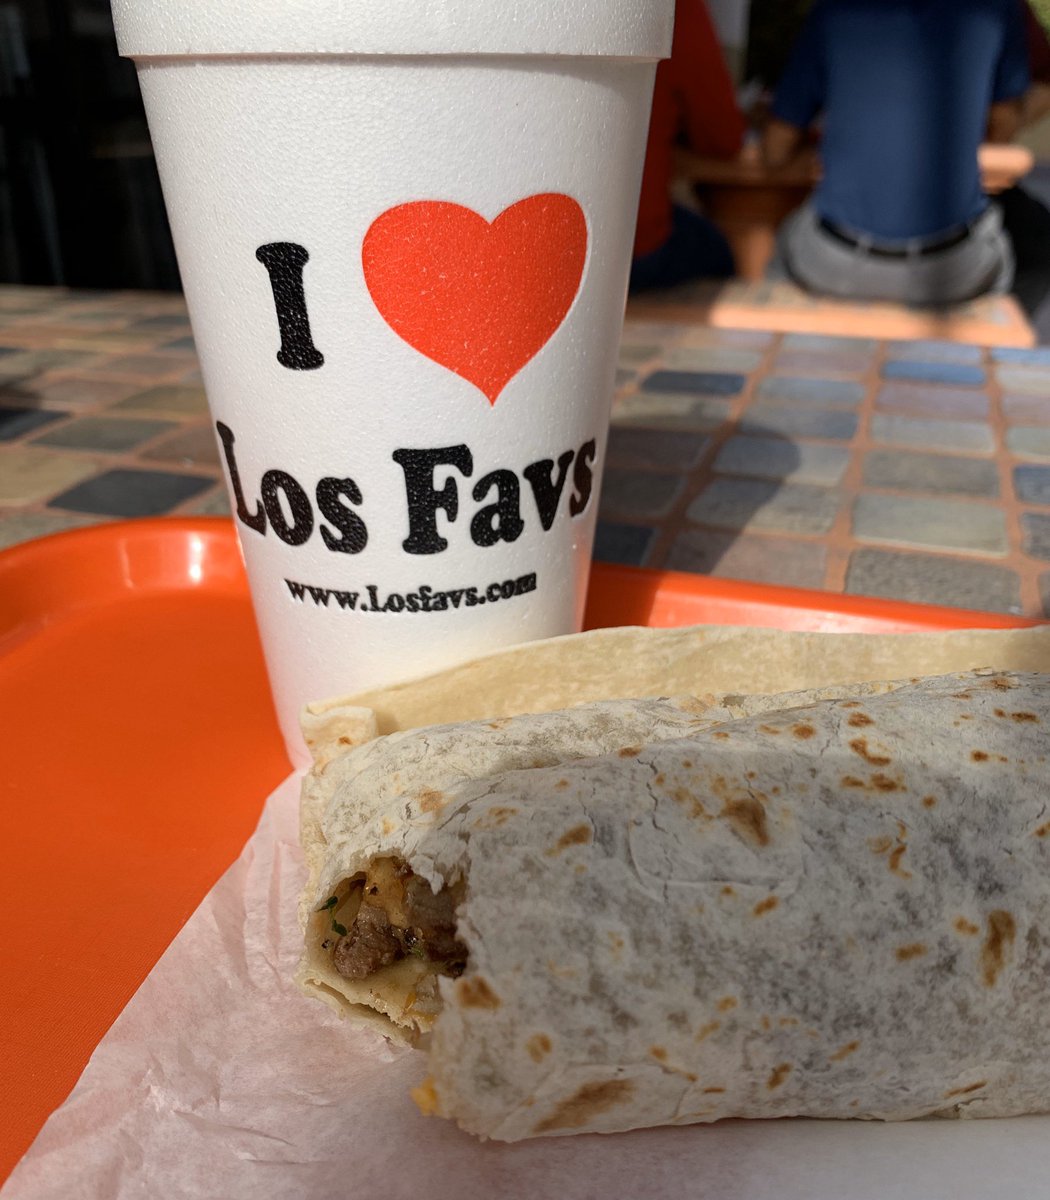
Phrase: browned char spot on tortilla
[713,1091]
[998,943]
[979,756]
[1042,831]
[859,719]
[579,835]
[895,861]
[929,801]
[629,751]
[562,784]
[844,1051]
[912,950]
[538,1046]
[658,1052]
[728,890]
[803,730]
[964,926]
[705,1030]
[720,734]
[851,781]
[727,1003]
[495,817]
[778,1075]
[590,1100]
[999,684]
[345,741]
[772,730]
[748,817]
[430,800]
[764,906]
[884,783]
[849,704]
[476,993]
[1024,718]
[965,1091]
[860,746]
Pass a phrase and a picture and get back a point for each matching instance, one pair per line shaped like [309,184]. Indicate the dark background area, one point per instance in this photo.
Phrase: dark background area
[80,200]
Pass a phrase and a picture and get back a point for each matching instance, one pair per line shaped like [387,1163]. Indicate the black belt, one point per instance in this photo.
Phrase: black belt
[876,251]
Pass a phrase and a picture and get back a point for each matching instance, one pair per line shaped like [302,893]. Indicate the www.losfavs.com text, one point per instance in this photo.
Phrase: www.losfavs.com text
[425,599]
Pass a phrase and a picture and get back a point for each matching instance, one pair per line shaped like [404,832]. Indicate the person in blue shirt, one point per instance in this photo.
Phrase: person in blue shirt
[907,90]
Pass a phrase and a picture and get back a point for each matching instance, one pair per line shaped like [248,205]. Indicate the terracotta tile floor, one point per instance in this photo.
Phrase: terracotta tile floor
[914,470]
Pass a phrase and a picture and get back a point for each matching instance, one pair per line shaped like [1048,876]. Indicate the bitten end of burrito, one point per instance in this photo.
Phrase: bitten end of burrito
[658,912]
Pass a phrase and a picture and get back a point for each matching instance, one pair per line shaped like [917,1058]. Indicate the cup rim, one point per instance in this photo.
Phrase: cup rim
[615,29]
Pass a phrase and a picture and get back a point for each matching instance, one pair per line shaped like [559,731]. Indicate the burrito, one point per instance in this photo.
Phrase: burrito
[637,913]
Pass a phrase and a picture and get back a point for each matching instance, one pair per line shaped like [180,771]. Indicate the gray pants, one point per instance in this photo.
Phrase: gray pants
[819,262]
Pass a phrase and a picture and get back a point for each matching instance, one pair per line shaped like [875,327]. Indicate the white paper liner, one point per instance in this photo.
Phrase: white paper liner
[220,1080]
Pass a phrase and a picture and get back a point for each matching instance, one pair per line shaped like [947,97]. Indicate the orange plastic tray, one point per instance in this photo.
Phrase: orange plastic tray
[139,743]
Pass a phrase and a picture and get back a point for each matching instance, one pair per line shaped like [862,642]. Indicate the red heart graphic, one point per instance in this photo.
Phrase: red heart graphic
[479,298]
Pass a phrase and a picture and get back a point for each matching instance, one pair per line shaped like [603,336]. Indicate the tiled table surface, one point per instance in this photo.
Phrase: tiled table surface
[916,470]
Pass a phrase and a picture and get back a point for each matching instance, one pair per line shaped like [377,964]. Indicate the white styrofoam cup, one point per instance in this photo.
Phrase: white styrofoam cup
[404,232]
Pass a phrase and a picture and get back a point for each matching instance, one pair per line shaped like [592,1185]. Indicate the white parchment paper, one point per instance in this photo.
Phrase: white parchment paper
[220,1080]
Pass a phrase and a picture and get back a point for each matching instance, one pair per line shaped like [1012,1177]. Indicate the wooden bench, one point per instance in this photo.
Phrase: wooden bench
[785,308]
[748,201]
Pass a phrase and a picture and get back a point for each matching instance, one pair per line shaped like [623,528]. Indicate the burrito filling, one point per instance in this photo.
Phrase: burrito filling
[389,914]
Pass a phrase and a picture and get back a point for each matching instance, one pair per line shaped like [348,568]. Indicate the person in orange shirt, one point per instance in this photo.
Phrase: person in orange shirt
[693,104]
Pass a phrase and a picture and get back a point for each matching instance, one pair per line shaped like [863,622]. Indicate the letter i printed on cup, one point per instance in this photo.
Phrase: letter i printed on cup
[404,239]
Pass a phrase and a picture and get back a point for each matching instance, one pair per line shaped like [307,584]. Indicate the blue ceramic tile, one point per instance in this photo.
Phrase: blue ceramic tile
[829,424]
[787,562]
[966,526]
[108,435]
[926,401]
[16,421]
[624,544]
[828,342]
[707,359]
[124,493]
[708,383]
[1032,484]
[1036,530]
[1029,356]
[933,352]
[908,471]
[932,434]
[1029,441]
[934,579]
[1029,381]
[163,323]
[935,372]
[643,494]
[780,458]
[731,503]
[813,393]
[661,448]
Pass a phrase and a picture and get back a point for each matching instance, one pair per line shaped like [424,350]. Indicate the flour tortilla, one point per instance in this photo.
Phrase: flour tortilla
[835,910]
[701,662]
[630,661]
